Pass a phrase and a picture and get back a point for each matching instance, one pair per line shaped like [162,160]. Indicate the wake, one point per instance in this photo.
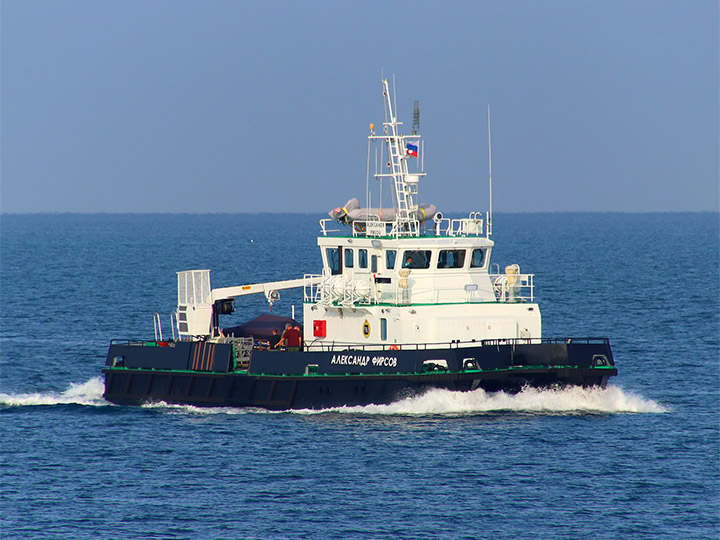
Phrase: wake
[87,393]
[561,401]
[570,400]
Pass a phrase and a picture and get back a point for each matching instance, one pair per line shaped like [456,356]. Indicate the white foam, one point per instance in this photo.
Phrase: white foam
[87,393]
[570,400]
[194,409]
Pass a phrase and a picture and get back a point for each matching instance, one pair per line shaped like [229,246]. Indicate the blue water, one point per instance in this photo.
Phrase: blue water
[634,461]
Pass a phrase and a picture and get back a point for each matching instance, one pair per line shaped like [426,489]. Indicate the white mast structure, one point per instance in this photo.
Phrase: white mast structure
[405,184]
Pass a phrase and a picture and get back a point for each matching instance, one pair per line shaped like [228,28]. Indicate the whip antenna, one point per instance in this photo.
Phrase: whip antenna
[489,220]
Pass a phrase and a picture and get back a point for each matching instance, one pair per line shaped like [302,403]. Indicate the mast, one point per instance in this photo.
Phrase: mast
[489,219]
[405,185]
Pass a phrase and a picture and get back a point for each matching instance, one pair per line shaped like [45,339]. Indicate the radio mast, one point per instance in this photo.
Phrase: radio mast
[489,220]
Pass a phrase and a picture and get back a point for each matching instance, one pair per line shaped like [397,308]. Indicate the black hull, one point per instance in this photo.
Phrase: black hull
[203,375]
[135,387]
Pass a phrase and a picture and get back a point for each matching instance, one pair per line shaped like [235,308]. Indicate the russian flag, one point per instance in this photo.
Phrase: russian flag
[411,150]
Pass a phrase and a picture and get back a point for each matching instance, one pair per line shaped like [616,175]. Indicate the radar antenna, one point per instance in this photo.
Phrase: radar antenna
[416,118]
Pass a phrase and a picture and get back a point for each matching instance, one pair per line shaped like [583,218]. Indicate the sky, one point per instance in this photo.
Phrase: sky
[233,106]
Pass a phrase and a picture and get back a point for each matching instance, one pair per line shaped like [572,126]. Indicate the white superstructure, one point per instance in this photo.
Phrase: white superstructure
[389,282]
[391,277]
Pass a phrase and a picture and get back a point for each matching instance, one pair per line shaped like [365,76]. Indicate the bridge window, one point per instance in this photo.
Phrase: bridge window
[417,258]
[333,260]
[362,258]
[373,264]
[390,255]
[478,258]
[451,258]
[348,258]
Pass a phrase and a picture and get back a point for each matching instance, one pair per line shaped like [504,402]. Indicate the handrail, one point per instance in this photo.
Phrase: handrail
[158,326]
[173,324]
[324,230]
[455,344]
[129,341]
[418,346]
[471,226]
[340,290]
[377,228]
[513,288]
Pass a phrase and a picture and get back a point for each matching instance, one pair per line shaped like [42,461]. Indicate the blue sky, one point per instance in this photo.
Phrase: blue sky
[220,106]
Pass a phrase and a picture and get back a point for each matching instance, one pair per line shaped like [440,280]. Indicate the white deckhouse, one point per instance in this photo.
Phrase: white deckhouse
[407,275]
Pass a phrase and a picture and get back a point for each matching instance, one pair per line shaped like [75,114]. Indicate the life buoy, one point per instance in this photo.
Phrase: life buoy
[393,348]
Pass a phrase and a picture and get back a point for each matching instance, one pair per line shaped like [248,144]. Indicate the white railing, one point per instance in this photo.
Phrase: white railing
[378,228]
[323,226]
[512,288]
[375,228]
[473,225]
[174,325]
[312,288]
[372,227]
[341,291]
[158,327]
[337,289]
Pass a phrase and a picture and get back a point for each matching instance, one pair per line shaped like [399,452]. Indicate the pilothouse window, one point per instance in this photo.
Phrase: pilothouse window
[333,260]
[362,258]
[451,258]
[348,258]
[417,258]
[390,255]
[478,258]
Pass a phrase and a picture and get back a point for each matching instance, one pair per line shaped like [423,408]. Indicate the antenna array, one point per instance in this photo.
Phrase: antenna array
[416,118]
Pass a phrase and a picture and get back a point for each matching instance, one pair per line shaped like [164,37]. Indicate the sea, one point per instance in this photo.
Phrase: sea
[639,459]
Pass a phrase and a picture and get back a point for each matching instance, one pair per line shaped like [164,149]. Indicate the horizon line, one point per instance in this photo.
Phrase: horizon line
[130,213]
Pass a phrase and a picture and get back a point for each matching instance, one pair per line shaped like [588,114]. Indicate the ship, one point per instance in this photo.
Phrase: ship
[407,301]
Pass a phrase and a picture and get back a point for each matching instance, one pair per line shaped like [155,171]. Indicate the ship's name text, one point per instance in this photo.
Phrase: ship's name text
[363,360]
